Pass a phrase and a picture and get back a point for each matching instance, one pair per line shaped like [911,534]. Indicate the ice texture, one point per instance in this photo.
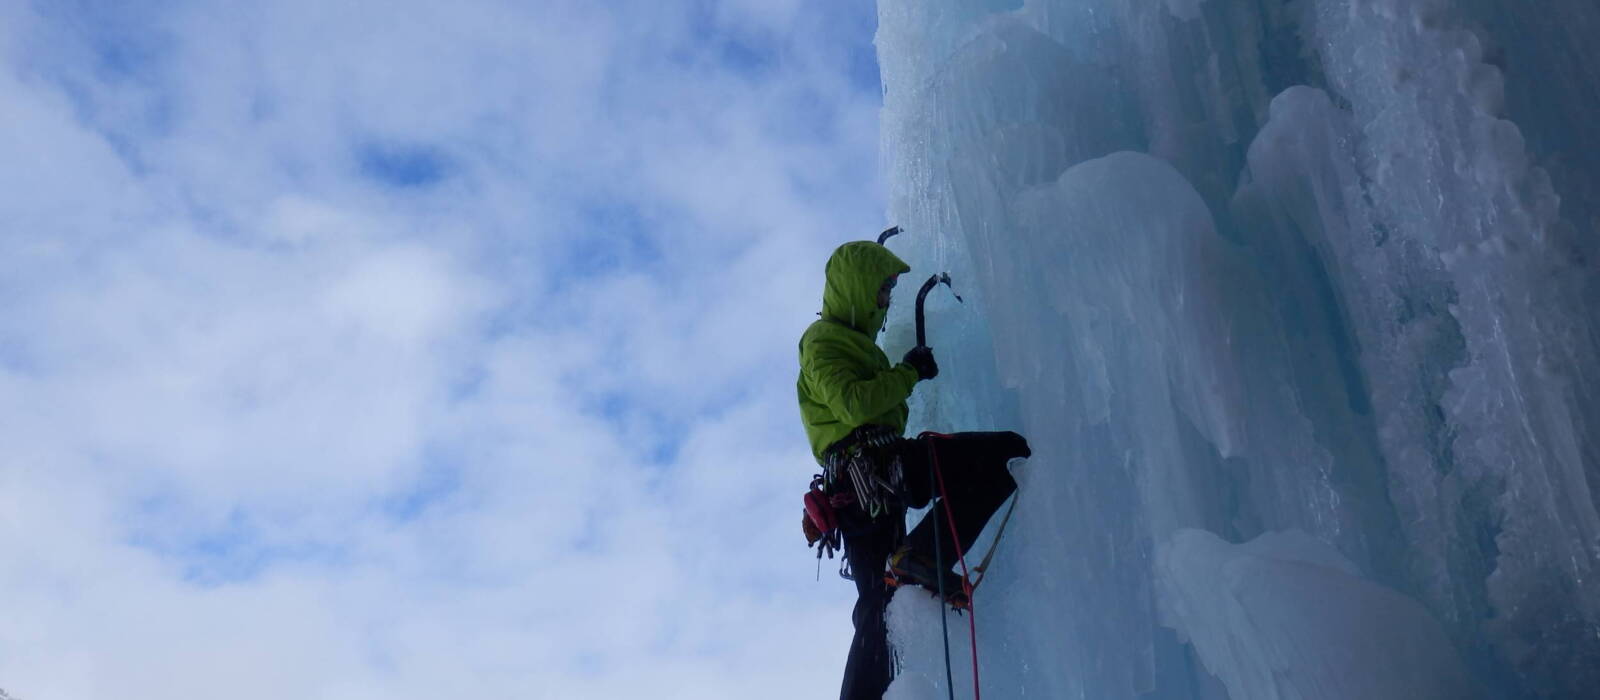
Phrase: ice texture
[1245,269]
[1284,615]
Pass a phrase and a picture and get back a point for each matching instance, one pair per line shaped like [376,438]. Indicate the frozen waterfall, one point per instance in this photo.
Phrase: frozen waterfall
[1295,302]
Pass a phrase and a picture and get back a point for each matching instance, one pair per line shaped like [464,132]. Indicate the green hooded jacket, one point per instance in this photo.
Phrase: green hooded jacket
[845,379]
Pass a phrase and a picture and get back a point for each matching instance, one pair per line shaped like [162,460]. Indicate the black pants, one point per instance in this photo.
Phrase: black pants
[975,476]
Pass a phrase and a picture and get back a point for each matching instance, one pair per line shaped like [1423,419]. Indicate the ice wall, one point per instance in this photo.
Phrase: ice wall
[1285,615]
[1246,268]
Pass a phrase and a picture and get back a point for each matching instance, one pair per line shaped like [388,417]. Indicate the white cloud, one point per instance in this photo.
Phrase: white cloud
[275,424]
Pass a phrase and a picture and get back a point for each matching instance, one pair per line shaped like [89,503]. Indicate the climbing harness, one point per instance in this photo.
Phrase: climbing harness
[875,473]
[862,475]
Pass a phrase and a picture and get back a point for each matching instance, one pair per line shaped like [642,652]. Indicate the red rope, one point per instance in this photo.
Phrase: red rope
[966,579]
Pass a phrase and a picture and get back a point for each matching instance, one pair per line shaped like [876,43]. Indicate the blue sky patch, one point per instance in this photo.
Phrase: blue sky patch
[749,58]
[231,551]
[17,357]
[863,68]
[749,55]
[125,40]
[437,482]
[615,236]
[401,165]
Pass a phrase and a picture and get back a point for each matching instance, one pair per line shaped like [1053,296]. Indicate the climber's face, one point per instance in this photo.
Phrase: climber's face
[885,291]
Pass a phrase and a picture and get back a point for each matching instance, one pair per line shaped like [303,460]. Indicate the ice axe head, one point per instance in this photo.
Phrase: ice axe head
[922,297]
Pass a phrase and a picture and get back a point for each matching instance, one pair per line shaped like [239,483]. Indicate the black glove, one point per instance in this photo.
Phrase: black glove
[921,359]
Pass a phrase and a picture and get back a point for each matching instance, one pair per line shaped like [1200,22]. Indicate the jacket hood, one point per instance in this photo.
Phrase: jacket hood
[855,272]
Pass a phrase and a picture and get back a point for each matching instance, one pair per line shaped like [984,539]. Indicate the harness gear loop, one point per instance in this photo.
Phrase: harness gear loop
[875,473]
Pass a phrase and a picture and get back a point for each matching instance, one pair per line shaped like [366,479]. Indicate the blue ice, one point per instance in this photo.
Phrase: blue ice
[1294,301]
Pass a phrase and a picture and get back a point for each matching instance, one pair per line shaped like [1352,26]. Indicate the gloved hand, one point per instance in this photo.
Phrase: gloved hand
[921,359]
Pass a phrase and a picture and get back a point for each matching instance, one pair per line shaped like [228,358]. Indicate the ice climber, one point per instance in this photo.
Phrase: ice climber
[853,404]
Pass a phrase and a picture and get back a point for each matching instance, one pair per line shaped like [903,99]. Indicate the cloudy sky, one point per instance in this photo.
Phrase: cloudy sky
[403,349]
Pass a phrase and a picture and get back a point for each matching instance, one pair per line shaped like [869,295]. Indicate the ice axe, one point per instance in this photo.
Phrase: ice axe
[922,294]
[922,298]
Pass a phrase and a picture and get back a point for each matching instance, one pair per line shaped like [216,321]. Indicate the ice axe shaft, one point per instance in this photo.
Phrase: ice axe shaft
[922,298]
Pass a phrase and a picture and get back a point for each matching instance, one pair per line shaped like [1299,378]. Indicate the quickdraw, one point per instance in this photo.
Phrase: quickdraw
[874,480]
